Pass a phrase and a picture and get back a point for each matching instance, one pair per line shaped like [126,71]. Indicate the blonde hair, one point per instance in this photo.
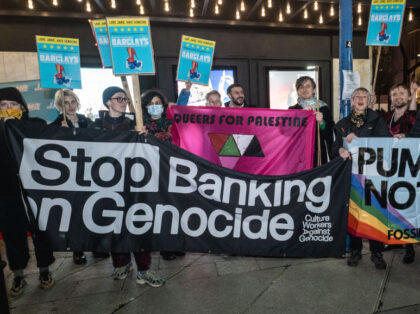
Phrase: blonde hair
[59,98]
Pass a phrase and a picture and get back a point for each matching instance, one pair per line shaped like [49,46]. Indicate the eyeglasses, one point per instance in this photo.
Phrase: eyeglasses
[121,99]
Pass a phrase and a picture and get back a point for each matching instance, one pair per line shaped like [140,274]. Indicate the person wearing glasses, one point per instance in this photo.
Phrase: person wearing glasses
[115,99]
[362,122]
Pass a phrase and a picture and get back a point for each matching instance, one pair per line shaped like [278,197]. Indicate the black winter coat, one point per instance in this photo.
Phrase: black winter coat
[375,126]
[327,135]
[84,122]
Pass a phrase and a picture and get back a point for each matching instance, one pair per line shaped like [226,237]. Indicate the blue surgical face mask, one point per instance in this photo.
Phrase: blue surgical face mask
[155,110]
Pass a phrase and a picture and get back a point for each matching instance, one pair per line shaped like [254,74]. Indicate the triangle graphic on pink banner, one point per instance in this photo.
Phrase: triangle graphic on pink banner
[229,162]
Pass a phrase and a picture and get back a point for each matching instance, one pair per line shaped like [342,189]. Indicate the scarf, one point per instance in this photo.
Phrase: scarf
[358,118]
[310,102]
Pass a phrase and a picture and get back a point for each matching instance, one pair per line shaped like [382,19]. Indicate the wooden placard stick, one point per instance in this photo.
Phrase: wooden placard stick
[127,91]
[137,102]
[62,105]
[378,57]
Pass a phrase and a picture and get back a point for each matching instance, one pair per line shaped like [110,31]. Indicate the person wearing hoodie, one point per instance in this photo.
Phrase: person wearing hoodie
[14,223]
[306,89]
[115,99]
[362,122]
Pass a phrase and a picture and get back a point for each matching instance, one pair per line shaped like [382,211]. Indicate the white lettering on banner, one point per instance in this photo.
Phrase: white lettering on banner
[316,229]
[87,166]
[196,56]
[103,40]
[279,227]
[129,42]
[58,58]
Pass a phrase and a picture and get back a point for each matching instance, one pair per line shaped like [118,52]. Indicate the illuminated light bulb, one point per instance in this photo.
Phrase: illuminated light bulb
[316,7]
[30,5]
[238,15]
[359,21]
[359,7]
[216,9]
[192,4]
[263,11]
[281,17]
[321,19]
[141,9]
[113,5]
[305,14]
[220,2]
[242,6]
[79,0]
[332,11]
[55,3]
[88,7]
[138,2]
[288,9]
[410,16]
[166,6]
[191,12]
[269,4]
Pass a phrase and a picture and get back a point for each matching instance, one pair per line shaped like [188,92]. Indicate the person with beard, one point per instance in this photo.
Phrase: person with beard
[115,99]
[401,118]
[14,223]
[400,121]
[306,89]
[362,122]
[237,96]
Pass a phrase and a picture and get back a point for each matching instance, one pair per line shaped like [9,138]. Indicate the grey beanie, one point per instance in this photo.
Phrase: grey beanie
[111,91]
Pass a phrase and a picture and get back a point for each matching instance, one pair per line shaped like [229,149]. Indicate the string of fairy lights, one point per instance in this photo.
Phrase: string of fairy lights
[285,10]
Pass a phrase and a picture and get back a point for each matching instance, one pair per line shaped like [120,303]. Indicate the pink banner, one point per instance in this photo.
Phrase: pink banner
[251,140]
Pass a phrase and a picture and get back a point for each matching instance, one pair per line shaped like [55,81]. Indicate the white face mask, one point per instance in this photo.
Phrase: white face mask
[155,110]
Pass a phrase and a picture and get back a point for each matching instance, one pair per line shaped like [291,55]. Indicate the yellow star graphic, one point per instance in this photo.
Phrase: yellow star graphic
[65,47]
[192,46]
[397,7]
[58,47]
[207,48]
[141,29]
[202,48]
[135,29]
[116,29]
[45,46]
[128,29]
[377,7]
[71,48]
[386,7]
[51,46]
[188,45]
[122,29]
[382,6]
[392,6]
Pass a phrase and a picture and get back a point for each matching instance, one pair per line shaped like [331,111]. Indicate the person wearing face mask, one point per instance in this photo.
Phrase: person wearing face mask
[362,122]
[14,223]
[67,103]
[115,99]
[154,105]
[306,89]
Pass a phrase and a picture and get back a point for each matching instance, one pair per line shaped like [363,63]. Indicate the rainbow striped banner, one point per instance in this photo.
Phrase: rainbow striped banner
[383,199]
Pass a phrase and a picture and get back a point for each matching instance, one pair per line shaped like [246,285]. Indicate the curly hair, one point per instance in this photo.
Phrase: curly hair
[146,99]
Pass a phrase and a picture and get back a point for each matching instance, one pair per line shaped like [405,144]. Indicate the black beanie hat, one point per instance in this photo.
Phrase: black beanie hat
[111,91]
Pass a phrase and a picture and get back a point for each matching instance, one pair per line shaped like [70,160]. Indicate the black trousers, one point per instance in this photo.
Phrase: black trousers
[356,244]
[14,226]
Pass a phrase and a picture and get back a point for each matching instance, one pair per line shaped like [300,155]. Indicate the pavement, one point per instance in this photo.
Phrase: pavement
[205,283]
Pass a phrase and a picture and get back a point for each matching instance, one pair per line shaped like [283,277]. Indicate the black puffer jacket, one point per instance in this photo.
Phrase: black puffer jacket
[374,126]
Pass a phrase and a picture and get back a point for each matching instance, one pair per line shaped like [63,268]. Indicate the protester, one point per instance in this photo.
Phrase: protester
[13,220]
[154,106]
[213,99]
[185,94]
[237,96]
[401,118]
[400,121]
[306,89]
[362,122]
[67,103]
[115,99]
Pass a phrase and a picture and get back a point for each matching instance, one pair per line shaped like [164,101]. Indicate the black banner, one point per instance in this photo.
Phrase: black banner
[91,190]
